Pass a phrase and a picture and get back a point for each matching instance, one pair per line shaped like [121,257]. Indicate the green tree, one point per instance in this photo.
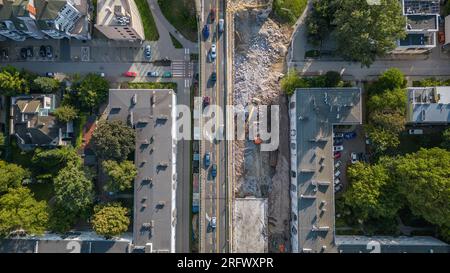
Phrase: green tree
[73,189]
[319,20]
[388,101]
[289,10]
[12,83]
[11,176]
[364,32]
[391,122]
[446,139]
[292,81]
[45,85]
[66,113]
[20,212]
[92,91]
[53,160]
[372,193]
[424,180]
[121,175]
[61,220]
[391,79]
[382,139]
[113,140]
[110,220]
[332,79]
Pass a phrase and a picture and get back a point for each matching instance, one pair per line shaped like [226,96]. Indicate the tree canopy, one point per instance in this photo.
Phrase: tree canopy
[12,83]
[53,160]
[92,91]
[120,175]
[446,139]
[73,189]
[113,140]
[110,220]
[424,180]
[66,113]
[45,85]
[11,176]
[20,212]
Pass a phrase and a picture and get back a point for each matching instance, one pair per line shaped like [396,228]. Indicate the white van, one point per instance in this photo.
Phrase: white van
[221,23]
[415,132]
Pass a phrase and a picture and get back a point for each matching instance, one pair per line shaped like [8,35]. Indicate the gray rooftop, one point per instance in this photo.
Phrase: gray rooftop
[421,6]
[428,105]
[422,22]
[387,244]
[316,111]
[150,113]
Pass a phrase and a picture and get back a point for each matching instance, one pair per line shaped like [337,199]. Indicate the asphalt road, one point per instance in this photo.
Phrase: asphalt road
[213,192]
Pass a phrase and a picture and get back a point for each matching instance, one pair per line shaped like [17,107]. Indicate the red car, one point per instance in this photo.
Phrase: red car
[213,15]
[337,155]
[130,74]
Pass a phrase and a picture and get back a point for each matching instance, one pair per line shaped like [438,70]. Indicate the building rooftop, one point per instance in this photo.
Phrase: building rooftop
[314,111]
[428,105]
[387,244]
[421,7]
[151,113]
[422,22]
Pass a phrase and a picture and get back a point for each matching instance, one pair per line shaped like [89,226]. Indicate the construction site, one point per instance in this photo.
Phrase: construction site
[259,50]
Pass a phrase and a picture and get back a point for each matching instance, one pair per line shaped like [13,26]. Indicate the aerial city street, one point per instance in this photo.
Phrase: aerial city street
[224,126]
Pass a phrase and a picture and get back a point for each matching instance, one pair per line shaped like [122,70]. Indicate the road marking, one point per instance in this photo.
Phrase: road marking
[218,143]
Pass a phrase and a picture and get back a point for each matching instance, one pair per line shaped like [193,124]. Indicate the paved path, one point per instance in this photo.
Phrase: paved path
[165,27]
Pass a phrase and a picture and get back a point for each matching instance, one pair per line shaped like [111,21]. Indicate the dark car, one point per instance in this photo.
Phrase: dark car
[205,32]
[23,53]
[206,101]
[42,51]
[212,15]
[349,135]
[5,54]
[214,171]
[49,51]
[213,76]
[207,160]
[30,52]
[338,141]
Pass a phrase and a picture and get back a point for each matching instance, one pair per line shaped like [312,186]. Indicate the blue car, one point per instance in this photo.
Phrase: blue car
[349,135]
[338,141]
[205,32]
[207,160]
[213,171]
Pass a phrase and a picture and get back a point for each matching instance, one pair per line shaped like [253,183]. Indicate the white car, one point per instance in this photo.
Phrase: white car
[337,181]
[337,173]
[337,164]
[221,23]
[354,158]
[415,131]
[148,52]
[213,52]
[213,222]
[338,188]
[338,148]
[338,135]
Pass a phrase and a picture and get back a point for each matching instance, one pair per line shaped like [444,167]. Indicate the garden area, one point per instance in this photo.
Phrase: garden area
[150,29]
[181,14]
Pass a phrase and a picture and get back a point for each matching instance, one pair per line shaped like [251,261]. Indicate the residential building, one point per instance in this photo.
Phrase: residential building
[313,114]
[119,20]
[21,19]
[33,124]
[428,105]
[422,25]
[387,244]
[152,114]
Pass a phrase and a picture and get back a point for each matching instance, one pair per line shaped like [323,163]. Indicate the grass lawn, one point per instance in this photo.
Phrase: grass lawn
[79,123]
[150,30]
[175,42]
[181,14]
[42,191]
[150,85]
[289,11]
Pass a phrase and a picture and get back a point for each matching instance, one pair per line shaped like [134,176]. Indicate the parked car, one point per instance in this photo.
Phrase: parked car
[213,170]
[350,135]
[42,52]
[167,74]
[338,188]
[50,74]
[5,54]
[337,181]
[213,52]
[205,32]
[23,53]
[338,141]
[207,160]
[148,52]
[337,164]
[415,131]
[221,24]
[353,158]
[102,74]
[337,155]
[30,52]
[212,15]
[338,135]
[212,223]
[337,173]
[130,74]
[152,74]
[338,148]
[49,51]
[213,76]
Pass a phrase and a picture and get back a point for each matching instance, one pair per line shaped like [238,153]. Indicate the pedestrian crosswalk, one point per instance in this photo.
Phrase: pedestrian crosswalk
[181,69]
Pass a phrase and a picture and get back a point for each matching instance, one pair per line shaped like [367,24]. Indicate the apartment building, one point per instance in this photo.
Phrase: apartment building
[428,105]
[57,19]
[119,20]
[422,25]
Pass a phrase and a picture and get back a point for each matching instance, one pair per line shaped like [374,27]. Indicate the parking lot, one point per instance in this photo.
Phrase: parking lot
[352,144]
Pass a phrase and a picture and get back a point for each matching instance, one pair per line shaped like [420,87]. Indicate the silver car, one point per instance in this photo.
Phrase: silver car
[148,52]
